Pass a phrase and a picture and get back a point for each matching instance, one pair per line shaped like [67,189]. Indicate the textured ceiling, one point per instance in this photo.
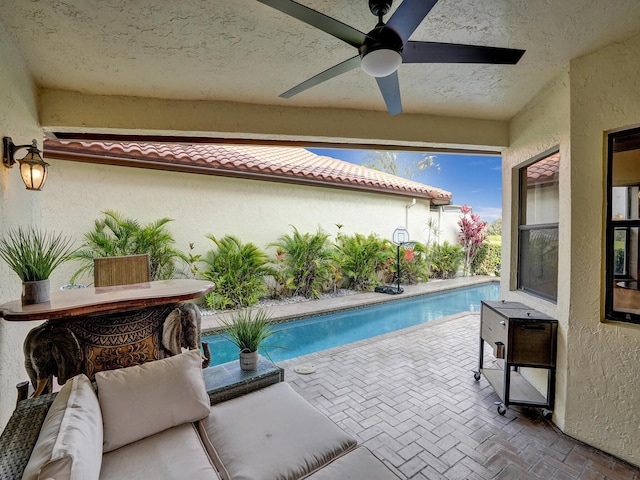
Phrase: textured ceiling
[244,51]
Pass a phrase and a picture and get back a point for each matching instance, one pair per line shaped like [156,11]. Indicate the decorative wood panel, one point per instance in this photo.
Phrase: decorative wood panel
[120,340]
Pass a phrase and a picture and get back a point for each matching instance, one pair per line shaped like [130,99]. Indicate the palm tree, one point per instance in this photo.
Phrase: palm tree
[115,236]
[388,161]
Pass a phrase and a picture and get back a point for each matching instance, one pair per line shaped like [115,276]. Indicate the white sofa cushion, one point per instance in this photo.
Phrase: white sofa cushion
[272,433]
[171,454]
[355,465]
[145,399]
[70,440]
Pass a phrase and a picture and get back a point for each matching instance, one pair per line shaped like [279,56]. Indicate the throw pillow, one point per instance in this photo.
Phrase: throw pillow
[70,442]
[145,399]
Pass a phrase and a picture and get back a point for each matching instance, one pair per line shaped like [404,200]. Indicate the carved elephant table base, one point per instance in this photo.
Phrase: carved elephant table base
[107,342]
[96,329]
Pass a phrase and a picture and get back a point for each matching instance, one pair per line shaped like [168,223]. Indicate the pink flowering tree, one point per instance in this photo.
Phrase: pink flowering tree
[471,236]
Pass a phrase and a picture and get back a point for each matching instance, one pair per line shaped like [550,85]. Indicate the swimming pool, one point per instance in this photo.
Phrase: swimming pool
[300,337]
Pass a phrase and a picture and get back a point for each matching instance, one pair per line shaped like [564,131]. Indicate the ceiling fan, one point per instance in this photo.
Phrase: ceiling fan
[387,46]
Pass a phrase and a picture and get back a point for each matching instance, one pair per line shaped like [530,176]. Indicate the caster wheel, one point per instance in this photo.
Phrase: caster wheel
[502,410]
[476,375]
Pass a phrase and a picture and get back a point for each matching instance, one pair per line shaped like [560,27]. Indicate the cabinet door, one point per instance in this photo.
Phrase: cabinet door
[532,342]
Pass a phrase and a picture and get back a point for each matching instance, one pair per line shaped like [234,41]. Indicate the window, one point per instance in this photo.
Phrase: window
[623,227]
[538,227]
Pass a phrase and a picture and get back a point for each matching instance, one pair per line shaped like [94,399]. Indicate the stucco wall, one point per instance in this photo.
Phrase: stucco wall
[62,110]
[540,127]
[252,210]
[18,114]
[597,384]
[603,384]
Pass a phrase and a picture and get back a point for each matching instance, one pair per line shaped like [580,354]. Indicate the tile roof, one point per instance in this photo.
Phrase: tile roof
[286,164]
[544,171]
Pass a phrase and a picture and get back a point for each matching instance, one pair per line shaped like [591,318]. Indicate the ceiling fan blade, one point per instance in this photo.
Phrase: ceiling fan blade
[408,16]
[390,89]
[319,20]
[328,74]
[432,52]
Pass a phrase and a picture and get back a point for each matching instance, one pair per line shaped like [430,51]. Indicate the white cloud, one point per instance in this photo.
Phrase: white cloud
[488,214]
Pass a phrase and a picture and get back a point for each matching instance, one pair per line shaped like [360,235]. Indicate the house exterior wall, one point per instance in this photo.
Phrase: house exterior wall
[542,205]
[604,356]
[254,211]
[18,120]
[597,385]
[543,125]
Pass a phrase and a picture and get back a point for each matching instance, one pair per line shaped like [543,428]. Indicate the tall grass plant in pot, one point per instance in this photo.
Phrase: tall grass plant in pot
[33,255]
[248,329]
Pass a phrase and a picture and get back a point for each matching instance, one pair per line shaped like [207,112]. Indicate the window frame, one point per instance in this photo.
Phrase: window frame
[611,226]
[522,205]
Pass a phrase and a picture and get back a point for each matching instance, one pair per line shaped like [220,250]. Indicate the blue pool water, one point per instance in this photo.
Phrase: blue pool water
[309,335]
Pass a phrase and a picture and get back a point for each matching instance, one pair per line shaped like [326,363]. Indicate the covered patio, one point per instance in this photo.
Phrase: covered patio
[411,398]
[212,72]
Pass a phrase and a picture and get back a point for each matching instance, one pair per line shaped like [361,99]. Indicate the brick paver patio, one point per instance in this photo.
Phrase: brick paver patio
[410,397]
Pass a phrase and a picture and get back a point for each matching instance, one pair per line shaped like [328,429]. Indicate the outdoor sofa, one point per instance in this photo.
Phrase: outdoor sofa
[155,421]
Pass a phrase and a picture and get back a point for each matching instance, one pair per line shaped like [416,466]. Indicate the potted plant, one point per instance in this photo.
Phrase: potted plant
[247,329]
[33,255]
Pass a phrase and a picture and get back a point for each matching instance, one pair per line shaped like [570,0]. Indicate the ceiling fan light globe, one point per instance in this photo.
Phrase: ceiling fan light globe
[381,63]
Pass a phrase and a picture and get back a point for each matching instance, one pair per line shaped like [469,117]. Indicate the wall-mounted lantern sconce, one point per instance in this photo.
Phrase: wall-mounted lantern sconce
[33,168]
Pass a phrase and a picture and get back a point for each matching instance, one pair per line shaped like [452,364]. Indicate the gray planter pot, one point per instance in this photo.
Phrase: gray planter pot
[248,361]
[36,292]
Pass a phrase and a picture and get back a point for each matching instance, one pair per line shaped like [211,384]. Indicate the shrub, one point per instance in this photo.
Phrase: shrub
[414,267]
[445,260]
[471,235]
[303,262]
[487,259]
[359,259]
[238,271]
[115,236]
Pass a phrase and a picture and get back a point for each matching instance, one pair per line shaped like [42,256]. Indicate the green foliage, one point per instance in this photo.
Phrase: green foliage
[487,260]
[246,330]
[619,261]
[414,265]
[191,260]
[360,258]
[115,236]
[238,271]
[433,231]
[303,262]
[445,260]
[33,254]
[495,228]
[390,162]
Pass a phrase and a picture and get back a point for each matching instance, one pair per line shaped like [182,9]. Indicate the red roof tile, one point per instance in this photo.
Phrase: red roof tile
[290,164]
[544,171]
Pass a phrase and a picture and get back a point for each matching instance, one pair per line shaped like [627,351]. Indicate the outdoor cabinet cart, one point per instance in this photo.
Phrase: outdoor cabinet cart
[521,337]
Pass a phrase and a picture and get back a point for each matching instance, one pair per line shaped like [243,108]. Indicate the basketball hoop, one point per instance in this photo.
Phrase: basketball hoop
[400,236]
[408,250]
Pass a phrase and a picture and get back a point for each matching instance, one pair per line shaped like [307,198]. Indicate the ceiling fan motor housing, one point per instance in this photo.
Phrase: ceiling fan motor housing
[380,7]
[381,52]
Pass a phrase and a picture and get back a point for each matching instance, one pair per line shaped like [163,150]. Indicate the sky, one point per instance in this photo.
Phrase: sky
[473,180]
